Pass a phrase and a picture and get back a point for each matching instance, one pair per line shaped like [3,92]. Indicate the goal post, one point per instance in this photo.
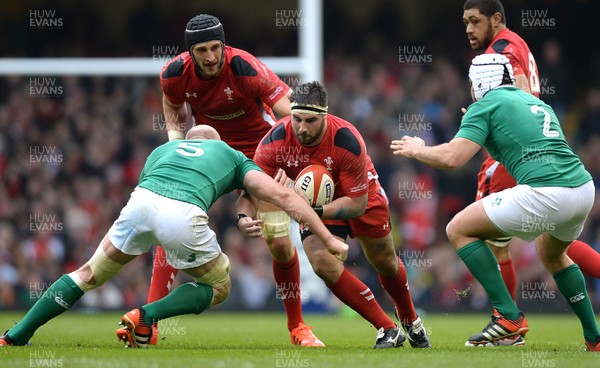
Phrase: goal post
[308,64]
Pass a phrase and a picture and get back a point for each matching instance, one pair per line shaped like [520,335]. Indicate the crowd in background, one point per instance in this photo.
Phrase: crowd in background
[71,154]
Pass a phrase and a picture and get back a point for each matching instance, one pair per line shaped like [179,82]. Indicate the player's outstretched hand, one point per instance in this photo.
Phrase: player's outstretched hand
[407,146]
[338,248]
[249,227]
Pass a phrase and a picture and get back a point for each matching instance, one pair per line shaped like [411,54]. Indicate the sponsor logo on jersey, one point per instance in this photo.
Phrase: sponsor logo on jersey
[227,116]
[358,188]
[188,95]
[276,92]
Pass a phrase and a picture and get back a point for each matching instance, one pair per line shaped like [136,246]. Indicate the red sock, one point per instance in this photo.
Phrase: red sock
[586,257]
[397,287]
[163,276]
[507,269]
[287,279]
[355,294]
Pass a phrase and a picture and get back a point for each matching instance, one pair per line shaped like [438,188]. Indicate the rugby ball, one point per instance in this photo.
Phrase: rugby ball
[316,182]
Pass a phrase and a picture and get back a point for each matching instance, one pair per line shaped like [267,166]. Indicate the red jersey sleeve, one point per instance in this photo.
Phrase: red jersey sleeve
[266,85]
[265,158]
[516,61]
[353,177]
[171,80]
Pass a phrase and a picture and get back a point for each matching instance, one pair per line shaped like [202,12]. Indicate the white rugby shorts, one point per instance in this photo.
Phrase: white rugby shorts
[181,228]
[527,212]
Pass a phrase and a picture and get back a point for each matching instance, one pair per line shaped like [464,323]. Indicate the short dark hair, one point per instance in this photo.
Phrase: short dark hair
[487,8]
[312,93]
[506,79]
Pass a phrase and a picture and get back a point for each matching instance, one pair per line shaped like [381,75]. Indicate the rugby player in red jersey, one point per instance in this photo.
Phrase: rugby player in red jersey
[235,93]
[359,209]
[486,29]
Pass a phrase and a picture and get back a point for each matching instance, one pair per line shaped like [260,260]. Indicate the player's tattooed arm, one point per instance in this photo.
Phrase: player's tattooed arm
[345,208]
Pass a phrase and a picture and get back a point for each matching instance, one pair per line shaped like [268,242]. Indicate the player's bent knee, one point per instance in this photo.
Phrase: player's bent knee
[452,233]
[281,248]
[327,271]
[96,271]
[218,278]
[220,294]
[276,224]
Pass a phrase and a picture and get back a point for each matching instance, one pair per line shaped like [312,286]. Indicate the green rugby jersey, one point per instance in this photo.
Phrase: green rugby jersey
[195,171]
[523,133]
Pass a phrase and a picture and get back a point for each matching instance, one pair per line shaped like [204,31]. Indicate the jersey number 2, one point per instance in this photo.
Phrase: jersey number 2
[547,120]
[189,149]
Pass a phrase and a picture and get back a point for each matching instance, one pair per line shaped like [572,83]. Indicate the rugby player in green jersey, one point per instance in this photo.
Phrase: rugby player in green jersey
[178,184]
[552,199]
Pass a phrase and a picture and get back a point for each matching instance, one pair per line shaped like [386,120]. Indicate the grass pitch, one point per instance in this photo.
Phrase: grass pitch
[250,340]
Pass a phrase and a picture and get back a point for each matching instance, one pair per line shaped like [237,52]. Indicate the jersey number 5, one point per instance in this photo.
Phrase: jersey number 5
[547,120]
[189,149]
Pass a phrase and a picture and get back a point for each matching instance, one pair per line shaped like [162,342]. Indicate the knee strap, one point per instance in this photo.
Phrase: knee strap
[219,275]
[276,224]
[499,242]
[103,269]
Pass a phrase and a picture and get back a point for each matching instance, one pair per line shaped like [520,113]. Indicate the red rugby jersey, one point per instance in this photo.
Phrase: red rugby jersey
[511,45]
[342,151]
[238,103]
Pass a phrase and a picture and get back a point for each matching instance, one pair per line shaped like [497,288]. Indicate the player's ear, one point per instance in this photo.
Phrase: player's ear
[496,19]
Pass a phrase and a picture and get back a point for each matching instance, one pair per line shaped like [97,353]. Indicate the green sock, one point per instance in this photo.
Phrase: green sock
[483,265]
[571,284]
[191,297]
[59,297]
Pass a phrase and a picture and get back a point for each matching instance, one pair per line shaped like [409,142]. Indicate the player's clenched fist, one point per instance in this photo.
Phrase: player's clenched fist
[407,146]
[338,248]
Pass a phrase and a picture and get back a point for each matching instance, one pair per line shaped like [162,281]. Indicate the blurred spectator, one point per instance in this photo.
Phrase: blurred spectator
[554,78]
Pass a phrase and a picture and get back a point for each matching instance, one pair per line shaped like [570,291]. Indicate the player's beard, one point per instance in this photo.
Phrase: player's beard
[308,140]
[485,42]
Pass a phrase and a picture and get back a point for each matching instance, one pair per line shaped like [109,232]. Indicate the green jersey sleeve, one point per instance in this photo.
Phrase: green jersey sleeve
[243,168]
[475,124]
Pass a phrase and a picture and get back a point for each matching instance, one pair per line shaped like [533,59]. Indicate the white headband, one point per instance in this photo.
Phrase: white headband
[309,108]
